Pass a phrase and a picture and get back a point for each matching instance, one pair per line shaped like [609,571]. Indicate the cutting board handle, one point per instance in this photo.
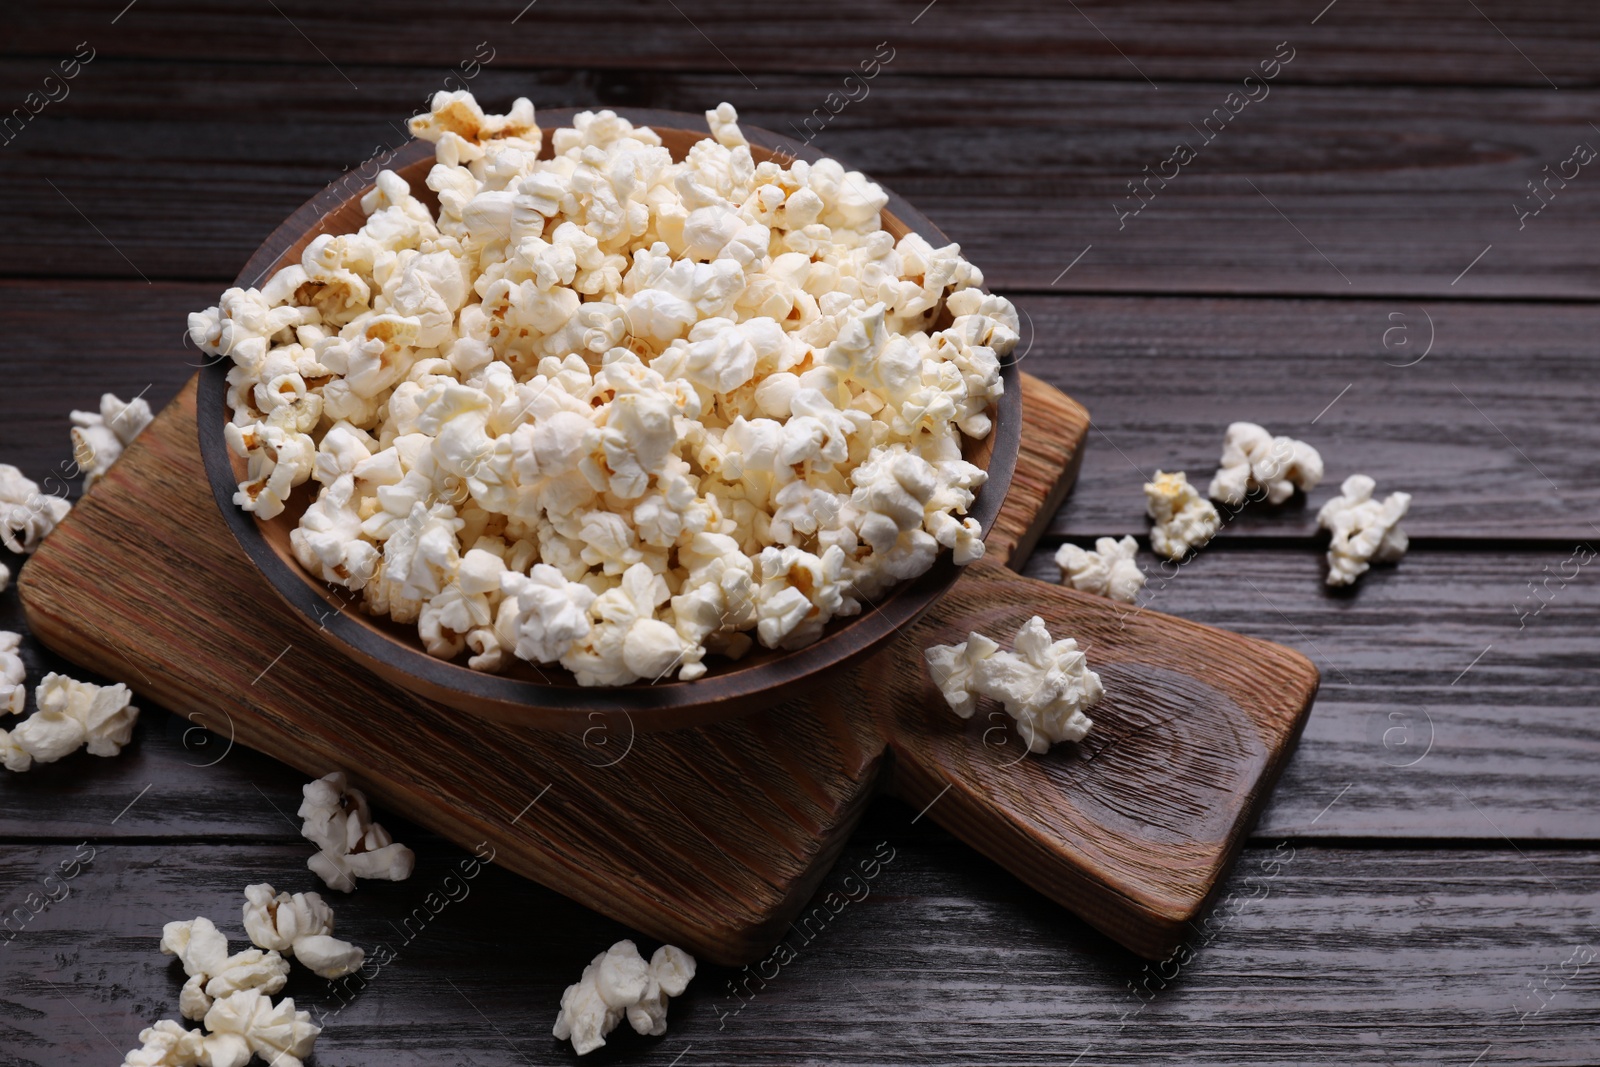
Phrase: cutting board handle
[1133,826]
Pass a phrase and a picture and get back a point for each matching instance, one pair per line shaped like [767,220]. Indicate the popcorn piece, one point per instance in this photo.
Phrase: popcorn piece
[1364,530]
[546,614]
[213,973]
[724,123]
[1182,519]
[27,516]
[954,670]
[167,1044]
[5,577]
[70,714]
[1254,460]
[12,755]
[336,818]
[105,712]
[247,1022]
[278,460]
[299,926]
[619,983]
[1045,685]
[594,361]
[457,114]
[13,693]
[98,438]
[1109,571]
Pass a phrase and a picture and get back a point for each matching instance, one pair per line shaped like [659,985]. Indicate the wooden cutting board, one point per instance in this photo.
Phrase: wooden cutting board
[714,838]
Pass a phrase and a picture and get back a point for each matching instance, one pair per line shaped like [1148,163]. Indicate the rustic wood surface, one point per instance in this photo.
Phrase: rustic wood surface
[1443,803]
[1132,830]
[1341,191]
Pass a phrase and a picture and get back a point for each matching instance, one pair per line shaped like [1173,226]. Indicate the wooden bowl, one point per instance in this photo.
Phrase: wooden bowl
[546,697]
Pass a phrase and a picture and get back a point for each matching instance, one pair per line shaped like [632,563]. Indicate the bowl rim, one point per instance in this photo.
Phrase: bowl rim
[534,703]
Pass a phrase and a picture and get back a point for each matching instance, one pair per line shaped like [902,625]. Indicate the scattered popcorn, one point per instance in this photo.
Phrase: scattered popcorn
[247,1023]
[213,973]
[1182,519]
[26,515]
[1110,570]
[13,693]
[1045,685]
[524,421]
[70,715]
[335,818]
[1364,530]
[618,982]
[98,438]
[1254,460]
[167,1044]
[300,926]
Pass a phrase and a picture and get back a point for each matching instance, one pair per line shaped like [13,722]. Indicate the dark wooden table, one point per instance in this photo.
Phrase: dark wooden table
[1346,259]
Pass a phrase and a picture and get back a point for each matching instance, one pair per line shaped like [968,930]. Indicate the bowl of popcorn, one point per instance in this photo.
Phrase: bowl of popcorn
[616,415]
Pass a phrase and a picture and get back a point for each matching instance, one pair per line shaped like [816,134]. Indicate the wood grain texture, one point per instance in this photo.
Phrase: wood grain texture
[1314,955]
[1208,361]
[1482,429]
[1429,753]
[1410,41]
[1055,429]
[1356,191]
[1456,702]
[1391,946]
[773,795]
[1132,827]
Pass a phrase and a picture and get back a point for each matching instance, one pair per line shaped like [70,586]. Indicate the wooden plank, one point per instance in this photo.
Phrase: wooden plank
[1312,190]
[1430,743]
[1443,712]
[1162,378]
[180,776]
[786,784]
[68,342]
[1427,750]
[1411,41]
[1484,431]
[1312,956]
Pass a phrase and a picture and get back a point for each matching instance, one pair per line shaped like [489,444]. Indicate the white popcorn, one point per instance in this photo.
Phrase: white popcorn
[203,951]
[335,817]
[70,715]
[13,693]
[5,577]
[724,123]
[617,984]
[1045,685]
[27,516]
[278,461]
[1255,460]
[1109,571]
[247,1023]
[13,698]
[300,926]
[98,437]
[547,614]
[798,594]
[601,364]
[1364,530]
[954,670]
[12,755]
[167,1044]
[1182,519]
